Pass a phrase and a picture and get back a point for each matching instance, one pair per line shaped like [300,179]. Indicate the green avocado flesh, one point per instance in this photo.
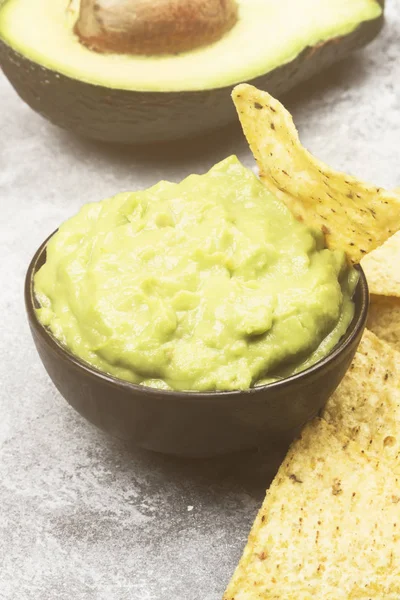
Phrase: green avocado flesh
[269,33]
[209,284]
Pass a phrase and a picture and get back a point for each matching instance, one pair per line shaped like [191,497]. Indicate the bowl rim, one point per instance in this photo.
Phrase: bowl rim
[356,327]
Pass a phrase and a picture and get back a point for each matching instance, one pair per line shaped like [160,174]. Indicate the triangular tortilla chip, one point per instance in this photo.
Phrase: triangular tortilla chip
[328,528]
[382,268]
[355,217]
[384,319]
[366,405]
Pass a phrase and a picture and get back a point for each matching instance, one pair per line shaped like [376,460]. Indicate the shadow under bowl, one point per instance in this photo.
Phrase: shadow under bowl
[195,424]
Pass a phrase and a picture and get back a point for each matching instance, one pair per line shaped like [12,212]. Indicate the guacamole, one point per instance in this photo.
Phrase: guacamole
[208,284]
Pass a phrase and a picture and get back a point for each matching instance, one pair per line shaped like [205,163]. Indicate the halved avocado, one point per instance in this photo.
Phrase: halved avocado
[136,98]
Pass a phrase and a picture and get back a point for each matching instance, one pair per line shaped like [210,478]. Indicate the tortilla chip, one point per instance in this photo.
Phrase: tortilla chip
[366,405]
[355,217]
[382,268]
[328,528]
[384,319]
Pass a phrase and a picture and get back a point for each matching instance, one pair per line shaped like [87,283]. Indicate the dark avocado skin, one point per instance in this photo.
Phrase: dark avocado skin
[131,117]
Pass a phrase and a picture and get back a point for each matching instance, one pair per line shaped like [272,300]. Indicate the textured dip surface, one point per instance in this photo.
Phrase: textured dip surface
[208,284]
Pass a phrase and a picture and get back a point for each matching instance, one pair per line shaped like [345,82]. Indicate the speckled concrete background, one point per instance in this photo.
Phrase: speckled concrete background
[83,516]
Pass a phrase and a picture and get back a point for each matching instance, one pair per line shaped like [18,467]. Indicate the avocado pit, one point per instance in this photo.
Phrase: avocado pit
[153,26]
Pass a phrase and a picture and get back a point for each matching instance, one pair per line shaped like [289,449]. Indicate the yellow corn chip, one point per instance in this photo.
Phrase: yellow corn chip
[366,405]
[328,528]
[382,268]
[384,319]
[355,217]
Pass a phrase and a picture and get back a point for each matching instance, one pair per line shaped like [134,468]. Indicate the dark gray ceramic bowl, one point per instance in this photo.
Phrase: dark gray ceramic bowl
[195,424]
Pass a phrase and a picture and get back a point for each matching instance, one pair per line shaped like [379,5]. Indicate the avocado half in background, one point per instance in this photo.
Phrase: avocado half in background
[94,68]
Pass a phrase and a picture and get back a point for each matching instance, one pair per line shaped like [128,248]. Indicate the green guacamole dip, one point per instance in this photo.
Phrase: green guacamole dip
[209,284]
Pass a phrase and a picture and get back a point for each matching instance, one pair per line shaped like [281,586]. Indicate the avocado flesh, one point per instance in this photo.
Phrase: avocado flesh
[269,34]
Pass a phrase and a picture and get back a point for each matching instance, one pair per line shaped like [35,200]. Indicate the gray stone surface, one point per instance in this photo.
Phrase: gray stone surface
[83,516]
